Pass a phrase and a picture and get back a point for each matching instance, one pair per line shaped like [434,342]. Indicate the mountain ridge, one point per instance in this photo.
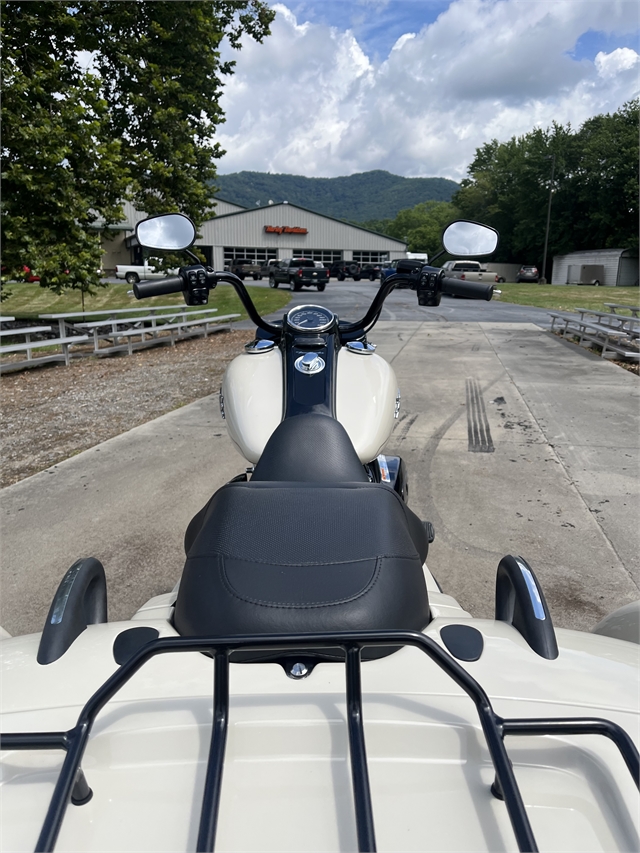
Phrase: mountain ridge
[360,197]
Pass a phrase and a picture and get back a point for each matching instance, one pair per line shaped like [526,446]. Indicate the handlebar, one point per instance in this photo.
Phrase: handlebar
[183,282]
[348,331]
[467,289]
[145,289]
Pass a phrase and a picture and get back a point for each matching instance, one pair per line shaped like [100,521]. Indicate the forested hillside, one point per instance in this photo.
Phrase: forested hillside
[357,198]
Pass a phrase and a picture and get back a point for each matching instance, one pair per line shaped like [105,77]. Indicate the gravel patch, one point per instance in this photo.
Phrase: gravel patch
[52,412]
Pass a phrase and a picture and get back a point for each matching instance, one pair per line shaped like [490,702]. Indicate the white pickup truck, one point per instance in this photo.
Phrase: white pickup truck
[469,271]
[148,271]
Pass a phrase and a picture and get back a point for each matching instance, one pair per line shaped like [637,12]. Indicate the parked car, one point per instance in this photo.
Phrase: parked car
[469,271]
[265,268]
[389,268]
[371,271]
[148,271]
[242,267]
[345,269]
[528,273]
[298,273]
[30,275]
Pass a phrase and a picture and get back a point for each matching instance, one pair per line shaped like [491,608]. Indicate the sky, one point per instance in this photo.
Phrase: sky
[416,86]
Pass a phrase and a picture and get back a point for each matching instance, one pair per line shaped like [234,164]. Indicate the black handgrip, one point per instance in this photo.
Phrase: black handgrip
[467,289]
[172,284]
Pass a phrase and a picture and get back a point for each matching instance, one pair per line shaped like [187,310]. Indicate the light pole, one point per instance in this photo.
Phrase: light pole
[551,157]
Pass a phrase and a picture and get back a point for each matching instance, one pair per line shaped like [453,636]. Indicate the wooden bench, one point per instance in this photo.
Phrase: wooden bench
[607,337]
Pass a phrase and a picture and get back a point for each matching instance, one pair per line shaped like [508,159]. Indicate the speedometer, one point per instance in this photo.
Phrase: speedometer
[310,318]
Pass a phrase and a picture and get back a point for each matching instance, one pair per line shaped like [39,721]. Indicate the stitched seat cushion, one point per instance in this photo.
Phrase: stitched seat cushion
[298,557]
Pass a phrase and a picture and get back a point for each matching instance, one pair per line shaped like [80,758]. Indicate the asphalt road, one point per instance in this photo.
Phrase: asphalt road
[557,483]
[350,300]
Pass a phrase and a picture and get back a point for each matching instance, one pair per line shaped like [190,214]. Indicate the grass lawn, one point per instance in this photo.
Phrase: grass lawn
[568,297]
[27,301]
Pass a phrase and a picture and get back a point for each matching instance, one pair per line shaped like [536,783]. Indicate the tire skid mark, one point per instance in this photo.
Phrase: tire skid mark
[404,425]
[479,434]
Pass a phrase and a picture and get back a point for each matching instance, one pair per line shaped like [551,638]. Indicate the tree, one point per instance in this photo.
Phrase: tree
[60,167]
[594,201]
[140,124]
[421,226]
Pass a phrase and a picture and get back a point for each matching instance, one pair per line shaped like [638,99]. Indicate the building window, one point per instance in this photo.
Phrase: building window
[326,256]
[370,257]
[232,253]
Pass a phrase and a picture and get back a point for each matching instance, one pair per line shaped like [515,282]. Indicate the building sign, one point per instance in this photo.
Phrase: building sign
[284,229]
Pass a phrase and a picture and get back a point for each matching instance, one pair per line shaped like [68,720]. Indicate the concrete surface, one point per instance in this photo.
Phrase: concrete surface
[560,487]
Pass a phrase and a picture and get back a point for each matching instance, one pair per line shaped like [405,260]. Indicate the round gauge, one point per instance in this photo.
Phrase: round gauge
[310,318]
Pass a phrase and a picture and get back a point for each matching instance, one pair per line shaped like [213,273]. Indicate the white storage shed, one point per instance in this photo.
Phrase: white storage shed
[619,267]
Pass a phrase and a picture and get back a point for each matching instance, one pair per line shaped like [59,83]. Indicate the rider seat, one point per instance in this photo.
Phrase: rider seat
[321,550]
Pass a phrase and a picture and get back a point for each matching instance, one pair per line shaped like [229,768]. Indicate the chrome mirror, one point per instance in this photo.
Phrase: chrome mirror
[169,232]
[469,238]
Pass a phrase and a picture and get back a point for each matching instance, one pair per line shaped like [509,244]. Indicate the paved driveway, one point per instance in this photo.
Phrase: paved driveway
[557,485]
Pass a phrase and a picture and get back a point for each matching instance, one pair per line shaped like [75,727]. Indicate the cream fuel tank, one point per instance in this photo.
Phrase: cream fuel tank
[253,396]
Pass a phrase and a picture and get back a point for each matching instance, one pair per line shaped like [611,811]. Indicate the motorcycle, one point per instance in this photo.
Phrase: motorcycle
[232,712]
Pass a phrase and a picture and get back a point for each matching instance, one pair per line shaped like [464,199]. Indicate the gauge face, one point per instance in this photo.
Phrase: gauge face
[310,318]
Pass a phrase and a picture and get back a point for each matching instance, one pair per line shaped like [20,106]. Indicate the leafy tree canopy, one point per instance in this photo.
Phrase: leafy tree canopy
[420,226]
[105,101]
[594,192]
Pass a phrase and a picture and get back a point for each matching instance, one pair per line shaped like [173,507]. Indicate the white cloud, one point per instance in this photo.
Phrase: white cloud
[611,64]
[309,101]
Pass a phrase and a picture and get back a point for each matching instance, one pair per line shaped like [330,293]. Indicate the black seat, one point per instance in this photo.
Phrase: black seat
[309,544]
[291,557]
[310,448]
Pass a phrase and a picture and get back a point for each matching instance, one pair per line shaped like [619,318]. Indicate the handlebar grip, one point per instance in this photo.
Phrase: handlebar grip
[144,289]
[467,289]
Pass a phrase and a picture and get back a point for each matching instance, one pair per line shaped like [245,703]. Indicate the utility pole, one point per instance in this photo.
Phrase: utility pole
[551,157]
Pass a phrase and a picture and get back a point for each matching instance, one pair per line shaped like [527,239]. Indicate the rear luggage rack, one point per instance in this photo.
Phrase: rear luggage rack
[72,784]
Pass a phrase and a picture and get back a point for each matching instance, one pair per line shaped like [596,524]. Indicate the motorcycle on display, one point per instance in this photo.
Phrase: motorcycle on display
[308,685]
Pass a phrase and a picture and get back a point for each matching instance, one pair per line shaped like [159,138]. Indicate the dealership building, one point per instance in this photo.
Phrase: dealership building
[280,230]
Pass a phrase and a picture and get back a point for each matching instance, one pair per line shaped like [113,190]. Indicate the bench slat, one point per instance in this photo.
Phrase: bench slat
[24,331]
[39,344]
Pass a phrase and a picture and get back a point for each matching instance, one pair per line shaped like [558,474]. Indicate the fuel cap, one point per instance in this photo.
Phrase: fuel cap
[361,348]
[309,363]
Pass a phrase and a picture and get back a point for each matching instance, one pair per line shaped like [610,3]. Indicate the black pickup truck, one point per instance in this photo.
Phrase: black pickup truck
[298,273]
